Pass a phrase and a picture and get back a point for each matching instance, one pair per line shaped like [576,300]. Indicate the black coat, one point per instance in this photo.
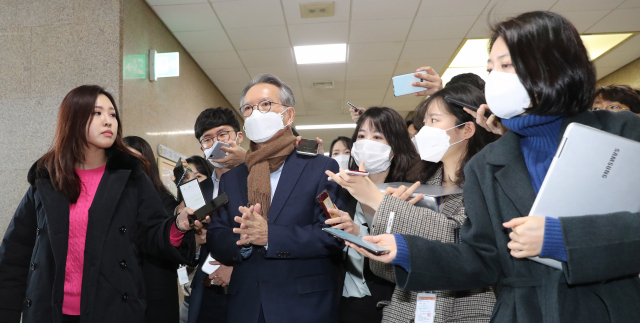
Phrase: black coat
[599,282]
[163,304]
[126,220]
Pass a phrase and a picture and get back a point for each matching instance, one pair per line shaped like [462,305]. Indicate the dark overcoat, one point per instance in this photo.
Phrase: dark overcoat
[126,221]
[599,282]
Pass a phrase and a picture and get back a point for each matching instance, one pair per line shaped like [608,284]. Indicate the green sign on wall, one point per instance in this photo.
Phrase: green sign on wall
[135,66]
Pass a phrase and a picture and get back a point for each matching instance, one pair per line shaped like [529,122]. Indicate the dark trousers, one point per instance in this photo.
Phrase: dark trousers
[261,316]
[213,308]
[70,318]
[365,309]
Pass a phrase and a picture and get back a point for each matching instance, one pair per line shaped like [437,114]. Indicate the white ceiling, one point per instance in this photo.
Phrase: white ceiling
[233,41]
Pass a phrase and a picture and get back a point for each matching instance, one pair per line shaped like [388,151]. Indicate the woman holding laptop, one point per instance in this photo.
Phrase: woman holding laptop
[540,81]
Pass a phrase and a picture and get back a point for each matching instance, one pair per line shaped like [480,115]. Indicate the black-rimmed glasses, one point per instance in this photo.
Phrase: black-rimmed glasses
[207,142]
[264,107]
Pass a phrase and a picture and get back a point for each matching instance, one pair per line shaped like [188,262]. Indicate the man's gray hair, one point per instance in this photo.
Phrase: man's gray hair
[286,95]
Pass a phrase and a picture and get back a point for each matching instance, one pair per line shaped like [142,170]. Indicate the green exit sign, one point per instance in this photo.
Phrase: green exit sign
[134,66]
[163,65]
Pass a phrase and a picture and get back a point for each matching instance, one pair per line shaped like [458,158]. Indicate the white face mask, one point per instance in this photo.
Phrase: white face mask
[375,155]
[505,94]
[343,161]
[208,151]
[432,143]
[261,127]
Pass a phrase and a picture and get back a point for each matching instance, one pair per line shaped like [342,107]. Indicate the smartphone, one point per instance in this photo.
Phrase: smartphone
[360,112]
[209,208]
[307,147]
[181,170]
[371,247]
[465,105]
[460,103]
[327,203]
[192,194]
[402,84]
[217,152]
[208,268]
[351,173]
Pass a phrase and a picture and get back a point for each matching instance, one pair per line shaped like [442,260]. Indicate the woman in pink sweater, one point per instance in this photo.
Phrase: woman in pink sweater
[73,248]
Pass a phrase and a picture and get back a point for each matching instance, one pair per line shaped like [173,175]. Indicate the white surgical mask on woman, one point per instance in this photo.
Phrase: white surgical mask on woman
[375,155]
[343,161]
[505,94]
[432,143]
[261,127]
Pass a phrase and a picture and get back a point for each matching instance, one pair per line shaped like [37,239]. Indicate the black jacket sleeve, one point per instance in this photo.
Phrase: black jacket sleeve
[15,256]
[153,224]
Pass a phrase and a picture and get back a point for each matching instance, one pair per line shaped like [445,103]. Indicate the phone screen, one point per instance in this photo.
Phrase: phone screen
[308,147]
[192,194]
[371,247]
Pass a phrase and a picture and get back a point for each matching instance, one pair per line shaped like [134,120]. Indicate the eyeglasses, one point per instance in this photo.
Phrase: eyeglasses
[611,108]
[264,107]
[207,142]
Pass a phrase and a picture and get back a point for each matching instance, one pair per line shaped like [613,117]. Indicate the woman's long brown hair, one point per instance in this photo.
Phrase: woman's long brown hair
[70,139]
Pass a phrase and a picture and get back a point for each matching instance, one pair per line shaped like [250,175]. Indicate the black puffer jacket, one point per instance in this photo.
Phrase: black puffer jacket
[126,221]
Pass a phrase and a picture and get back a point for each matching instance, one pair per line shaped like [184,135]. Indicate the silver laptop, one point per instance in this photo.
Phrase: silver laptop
[593,172]
[431,193]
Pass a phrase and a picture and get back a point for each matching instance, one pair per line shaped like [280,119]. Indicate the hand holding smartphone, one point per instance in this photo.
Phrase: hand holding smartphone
[351,172]
[402,84]
[327,204]
[371,247]
[307,147]
[465,105]
[360,112]
[217,152]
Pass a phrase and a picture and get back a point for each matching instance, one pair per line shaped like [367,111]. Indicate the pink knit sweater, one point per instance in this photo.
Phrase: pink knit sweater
[78,219]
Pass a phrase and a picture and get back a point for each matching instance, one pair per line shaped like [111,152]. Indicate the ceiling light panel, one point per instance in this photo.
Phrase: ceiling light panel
[327,126]
[473,56]
[599,44]
[321,54]
[317,10]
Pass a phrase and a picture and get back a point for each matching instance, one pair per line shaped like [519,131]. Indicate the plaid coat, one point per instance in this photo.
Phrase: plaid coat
[451,306]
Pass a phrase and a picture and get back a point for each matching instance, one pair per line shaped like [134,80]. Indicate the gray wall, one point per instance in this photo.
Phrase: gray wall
[48,47]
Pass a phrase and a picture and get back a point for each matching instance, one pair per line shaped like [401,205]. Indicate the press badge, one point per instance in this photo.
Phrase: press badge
[390,221]
[425,308]
[183,278]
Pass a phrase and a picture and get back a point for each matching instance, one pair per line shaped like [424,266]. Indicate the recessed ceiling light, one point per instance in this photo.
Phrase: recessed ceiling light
[327,126]
[317,9]
[322,85]
[473,55]
[318,54]
[171,133]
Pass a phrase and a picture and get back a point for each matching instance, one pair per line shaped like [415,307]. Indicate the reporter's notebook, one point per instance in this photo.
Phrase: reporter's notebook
[593,172]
